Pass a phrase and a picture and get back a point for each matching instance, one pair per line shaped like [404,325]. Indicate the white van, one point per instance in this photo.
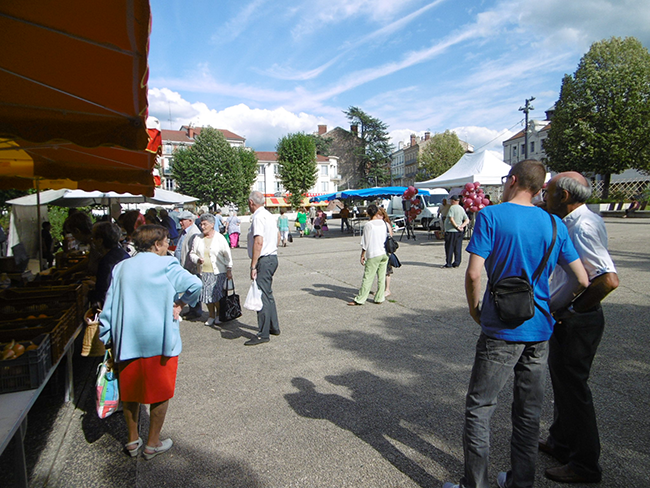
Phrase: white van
[428,203]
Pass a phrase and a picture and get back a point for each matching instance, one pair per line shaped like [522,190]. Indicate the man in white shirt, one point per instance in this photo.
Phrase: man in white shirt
[573,438]
[263,251]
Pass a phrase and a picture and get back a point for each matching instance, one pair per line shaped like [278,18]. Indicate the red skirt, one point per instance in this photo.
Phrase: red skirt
[147,380]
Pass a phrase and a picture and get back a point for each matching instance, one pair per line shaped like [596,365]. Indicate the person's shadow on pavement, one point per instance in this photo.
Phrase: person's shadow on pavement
[369,416]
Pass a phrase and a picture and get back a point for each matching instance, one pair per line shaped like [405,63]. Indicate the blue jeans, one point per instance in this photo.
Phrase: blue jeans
[494,362]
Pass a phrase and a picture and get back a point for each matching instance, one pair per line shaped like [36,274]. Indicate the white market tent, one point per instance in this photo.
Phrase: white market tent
[24,217]
[486,167]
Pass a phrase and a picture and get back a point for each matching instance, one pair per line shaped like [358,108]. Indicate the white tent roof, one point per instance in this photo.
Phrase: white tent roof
[485,167]
[80,198]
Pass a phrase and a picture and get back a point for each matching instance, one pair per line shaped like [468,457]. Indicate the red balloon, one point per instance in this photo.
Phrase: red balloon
[485,202]
[474,208]
[469,186]
[481,206]
[418,211]
[476,184]
[466,205]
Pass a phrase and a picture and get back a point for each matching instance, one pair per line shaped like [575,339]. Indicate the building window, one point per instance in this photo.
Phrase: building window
[323,170]
[260,169]
[514,151]
[278,187]
[276,169]
[325,186]
[260,186]
[168,148]
[523,149]
[532,147]
[169,184]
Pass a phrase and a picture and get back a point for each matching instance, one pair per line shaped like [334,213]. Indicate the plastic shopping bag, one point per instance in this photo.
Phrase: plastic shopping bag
[108,393]
[254,298]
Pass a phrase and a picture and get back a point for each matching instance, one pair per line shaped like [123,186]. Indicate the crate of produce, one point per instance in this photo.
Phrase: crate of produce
[37,299]
[28,370]
[62,332]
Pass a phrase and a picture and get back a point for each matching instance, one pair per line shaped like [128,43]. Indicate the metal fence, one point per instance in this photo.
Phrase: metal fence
[622,189]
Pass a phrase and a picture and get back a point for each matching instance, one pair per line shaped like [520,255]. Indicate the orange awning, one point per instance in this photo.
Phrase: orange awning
[75,70]
[73,87]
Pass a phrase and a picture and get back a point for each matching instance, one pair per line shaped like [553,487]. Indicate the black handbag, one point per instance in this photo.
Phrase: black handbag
[390,244]
[514,296]
[229,306]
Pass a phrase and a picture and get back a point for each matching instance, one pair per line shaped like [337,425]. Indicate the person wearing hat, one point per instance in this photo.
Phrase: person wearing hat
[455,224]
[183,247]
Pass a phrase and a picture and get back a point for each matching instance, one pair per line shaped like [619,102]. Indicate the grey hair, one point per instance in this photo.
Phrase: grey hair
[579,193]
[209,217]
[257,198]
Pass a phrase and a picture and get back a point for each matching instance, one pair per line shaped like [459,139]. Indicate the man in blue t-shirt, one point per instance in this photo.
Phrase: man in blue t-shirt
[511,239]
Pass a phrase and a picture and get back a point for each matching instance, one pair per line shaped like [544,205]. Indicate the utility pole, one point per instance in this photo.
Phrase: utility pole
[525,109]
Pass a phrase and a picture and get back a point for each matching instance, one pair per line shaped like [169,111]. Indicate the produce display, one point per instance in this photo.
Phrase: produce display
[15,349]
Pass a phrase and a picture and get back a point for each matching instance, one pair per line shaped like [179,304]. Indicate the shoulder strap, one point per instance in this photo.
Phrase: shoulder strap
[542,265]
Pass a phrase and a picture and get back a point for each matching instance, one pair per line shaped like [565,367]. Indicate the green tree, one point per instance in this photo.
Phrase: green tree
[600,123]
[323,144]
[214,172]
[439,154]
[297,159]
[373,155]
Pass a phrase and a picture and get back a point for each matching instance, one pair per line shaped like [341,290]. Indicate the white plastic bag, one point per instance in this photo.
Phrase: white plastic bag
[254,298]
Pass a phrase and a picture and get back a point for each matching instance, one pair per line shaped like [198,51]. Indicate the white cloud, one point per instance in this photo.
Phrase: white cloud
[261,127]
[240,22]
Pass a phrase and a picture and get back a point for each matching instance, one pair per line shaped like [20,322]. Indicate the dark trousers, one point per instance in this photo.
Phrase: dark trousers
[345,222]
[267,318]
[453,248]
[574,433]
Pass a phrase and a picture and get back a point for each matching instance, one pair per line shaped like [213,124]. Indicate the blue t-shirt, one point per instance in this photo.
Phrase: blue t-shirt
[513,240]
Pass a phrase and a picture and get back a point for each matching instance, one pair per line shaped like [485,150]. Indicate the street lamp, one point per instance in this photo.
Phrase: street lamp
[525,109]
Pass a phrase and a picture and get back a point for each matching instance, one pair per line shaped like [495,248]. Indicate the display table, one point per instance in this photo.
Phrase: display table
[14,408]
[357,225]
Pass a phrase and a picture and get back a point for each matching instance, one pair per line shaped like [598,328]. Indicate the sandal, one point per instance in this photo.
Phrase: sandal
[133,452]
[164,447]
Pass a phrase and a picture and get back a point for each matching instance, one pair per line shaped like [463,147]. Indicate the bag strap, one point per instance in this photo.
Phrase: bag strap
[542,265]
[225,285]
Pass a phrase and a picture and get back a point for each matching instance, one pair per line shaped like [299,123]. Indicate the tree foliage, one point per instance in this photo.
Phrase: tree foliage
[600,123]
[323,144]
[373,155]
[439,154]
[213,171]
[297,159]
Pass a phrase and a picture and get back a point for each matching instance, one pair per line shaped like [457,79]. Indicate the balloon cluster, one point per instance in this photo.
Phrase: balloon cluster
[410,196]
[474,197]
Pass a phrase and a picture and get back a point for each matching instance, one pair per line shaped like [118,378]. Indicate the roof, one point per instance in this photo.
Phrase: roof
[182,134]
[266,155]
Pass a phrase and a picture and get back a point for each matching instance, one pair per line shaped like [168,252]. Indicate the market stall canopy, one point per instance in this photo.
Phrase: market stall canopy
[365,194]
[66,165]
[80,198]
[485,167]
[76,71]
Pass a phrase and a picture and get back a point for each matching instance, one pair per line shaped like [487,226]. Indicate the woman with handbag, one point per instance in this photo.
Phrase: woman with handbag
[212,253]
[373,257]
[389,268]
[140,320]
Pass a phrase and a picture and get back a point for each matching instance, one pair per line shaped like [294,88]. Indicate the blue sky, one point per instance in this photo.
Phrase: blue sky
[263,68]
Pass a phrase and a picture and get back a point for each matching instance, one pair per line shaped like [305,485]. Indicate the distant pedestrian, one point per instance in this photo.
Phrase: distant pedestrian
[373,257]
[389,268]
[169,224]
[233,229]
[455,225]
[283,227]
[345,218]
[301,218]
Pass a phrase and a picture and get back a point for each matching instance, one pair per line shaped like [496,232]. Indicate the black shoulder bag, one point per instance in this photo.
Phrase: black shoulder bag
[390,244]
[514,296]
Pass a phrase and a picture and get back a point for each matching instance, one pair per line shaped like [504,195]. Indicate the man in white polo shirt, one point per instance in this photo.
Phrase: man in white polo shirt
[263,251]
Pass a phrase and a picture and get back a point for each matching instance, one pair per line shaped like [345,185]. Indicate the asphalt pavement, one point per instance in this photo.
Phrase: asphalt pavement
[367,396]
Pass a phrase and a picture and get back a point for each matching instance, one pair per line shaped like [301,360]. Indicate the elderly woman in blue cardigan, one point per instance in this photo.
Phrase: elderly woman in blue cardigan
[140,321]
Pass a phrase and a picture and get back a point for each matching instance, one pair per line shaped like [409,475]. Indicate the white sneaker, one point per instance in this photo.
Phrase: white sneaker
[210,321]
